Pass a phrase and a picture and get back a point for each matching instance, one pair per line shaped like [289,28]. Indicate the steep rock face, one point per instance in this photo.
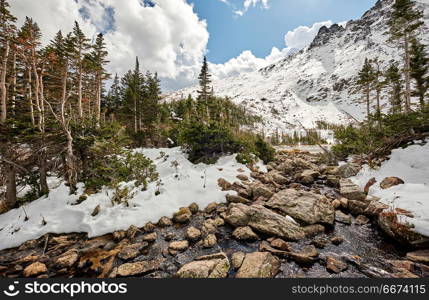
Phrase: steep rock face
[315,83]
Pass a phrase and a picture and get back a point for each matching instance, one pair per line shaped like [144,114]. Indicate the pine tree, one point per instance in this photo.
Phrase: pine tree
[80,47]
[419,70]
[204,92]
[113,100]
[404,24]
[365,83]
[7,31]
[99,60]
[151,99]
[393,80]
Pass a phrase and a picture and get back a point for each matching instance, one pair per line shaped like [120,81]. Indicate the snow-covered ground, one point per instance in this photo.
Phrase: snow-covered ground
[182,183]
[412,166]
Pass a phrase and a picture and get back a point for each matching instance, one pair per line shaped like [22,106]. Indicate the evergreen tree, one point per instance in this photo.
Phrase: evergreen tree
[404,24]
[205,90]
[99,60]
[113,100]
[419,70]
[365,83]
[80,47]
[393,80]
[7,32]
[151,99]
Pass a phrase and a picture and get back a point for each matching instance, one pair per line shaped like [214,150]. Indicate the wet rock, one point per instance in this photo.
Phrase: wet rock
[263,220]
[193,234]
[245,233]
[150,238]
[260,190]
[148,227]
[362,220]
[337,240]
[210,241]
[313,230]
[224,184]
[237,259]
[179,246]
[165,222]
[343,218]
[389,182]
[306,256]
[96,211]
[357,207]
[138,268]
[333,181]
[278,178]
[243,177]
[320,243]
[183,215]
[351,191]
[209,227]
[259,265]
[403,233]
[348,170]
[67,259]
[35,269]
[237,199]
[281,245]
[421,256]
[194,208]
[131,251]
[211,266]
[336,203]
[307,207]
[308,176]
[335,265]
[219,221]
[211,208]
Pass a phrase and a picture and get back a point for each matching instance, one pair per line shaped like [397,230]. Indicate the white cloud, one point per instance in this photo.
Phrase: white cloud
[297,39]
[250,3]
[168,37]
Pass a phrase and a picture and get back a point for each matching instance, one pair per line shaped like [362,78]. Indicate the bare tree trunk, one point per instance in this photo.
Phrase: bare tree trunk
[407,68]
[3,83]
[135,115]
[37,96]
[13,102]
[368,107]
[43,172]
[98,98]
[79,88]
[30,97]
[10,186]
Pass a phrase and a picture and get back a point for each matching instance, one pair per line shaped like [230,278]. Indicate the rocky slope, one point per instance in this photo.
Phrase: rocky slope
[315,83]
[301,219]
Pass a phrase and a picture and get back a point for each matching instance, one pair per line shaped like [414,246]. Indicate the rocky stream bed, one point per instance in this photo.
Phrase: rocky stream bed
[303,218]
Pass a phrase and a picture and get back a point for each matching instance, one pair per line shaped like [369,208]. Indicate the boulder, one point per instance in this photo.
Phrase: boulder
[343,218]
[211,208]
[138,268]
[236,199]
[313,230]
[308,176]
[263,220]
[421,256]
[259,265]
[260,190]
[333,181]
[179,246]
[35,269]
[210,241]
[131,251]
[150,238]
[375,208]
[286,167]
[351,191]
[337,240]
[307,207]
[357,207]
[306,256]
[244,234]
[389,182]
[183,215]
[362,220]
[193,234]
[194,208]
[211,266]
[224,184]
[237,259]
[165,222]
[348,170]
[335,265]
[281,245]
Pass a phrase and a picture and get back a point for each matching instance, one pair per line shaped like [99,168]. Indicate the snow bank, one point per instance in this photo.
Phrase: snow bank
[181,184]
[412,166]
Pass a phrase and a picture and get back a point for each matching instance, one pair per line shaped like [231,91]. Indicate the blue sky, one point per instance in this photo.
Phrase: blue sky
[260,29]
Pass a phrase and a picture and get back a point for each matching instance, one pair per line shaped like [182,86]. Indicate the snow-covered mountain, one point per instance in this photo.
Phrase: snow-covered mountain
[315,83]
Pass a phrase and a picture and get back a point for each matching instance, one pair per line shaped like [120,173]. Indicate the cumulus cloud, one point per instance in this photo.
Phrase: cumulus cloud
[167,35]
[295,40]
